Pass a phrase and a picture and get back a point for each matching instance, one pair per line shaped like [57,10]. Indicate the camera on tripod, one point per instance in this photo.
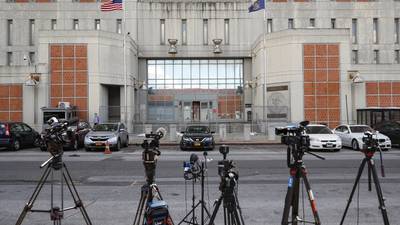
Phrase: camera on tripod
[370,142]
[154,142]
[192,168]
[56,135]
[227,169]
[294,135]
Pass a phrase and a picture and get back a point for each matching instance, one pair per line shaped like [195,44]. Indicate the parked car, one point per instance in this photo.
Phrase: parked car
[390,129]
[113,133]
[16,135]
[322,138]
[197,137]
[352,135]
[76,135]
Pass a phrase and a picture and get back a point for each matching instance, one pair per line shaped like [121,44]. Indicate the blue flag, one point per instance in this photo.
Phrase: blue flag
[257,5]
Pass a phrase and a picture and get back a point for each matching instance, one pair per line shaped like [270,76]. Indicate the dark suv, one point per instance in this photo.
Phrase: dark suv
[15,135]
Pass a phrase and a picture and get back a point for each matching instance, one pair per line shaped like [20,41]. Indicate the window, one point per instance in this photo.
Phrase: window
[354,31]
[32,59]
[9,32]
[354,56]
[375,31]
[53,24]
[184,31]
[119,26]
[205,32]
[9,59]
[333,23]
[269,26]
[75,25]
[376,56]
[31,32]
[97,24]
[226,31]
[312,22]
[162,31]
[397,56]
[290,23]
[396,30]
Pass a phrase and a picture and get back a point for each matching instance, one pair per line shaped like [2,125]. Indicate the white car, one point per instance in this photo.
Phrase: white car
[321,137]
[352,135]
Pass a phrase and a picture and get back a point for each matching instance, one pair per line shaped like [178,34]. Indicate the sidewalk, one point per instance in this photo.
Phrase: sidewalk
[230,139]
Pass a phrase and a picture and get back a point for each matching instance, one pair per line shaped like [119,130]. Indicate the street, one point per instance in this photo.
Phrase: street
[109,185]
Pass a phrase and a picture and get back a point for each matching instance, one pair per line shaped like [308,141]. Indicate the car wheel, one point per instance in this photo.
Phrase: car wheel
[37,142]
[354,145]
[118,147]
[16,145]
[127,142]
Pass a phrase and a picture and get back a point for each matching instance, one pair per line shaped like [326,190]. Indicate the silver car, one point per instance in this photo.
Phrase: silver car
[113,133]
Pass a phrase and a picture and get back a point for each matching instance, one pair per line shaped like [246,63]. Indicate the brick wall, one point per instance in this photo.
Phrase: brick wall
[11,102]
[321,83]
[228,105]
[383,94]
[69,76]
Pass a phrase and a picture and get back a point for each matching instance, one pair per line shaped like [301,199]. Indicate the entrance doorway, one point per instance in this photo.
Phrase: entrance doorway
[114,104]
[196,111]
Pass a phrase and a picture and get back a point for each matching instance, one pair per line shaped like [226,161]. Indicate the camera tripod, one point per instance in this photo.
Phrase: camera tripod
[298,171]
[149,192]
[228,188]
[201,203]
[368,160]
[55,163]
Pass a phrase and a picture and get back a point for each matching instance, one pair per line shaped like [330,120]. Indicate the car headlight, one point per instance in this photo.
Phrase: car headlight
[207,139]
[314,139]
[186,139]
[113,139]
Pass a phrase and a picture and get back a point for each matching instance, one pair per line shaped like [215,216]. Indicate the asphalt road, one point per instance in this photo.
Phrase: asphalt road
[109,185]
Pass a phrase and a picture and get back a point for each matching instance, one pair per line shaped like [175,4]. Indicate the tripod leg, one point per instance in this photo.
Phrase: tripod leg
[214,214]
[382,206]
[142,201]
[288,200]
[239,209]
[295,199]
[75,195]
[33,197]
[369,177]
[356,182]
[311,197]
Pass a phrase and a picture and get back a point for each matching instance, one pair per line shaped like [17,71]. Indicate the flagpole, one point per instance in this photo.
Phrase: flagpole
[265,117]
[125,74]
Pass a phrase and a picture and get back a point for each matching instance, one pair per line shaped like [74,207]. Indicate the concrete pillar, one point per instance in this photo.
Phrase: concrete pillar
[246,132]
[172,132]
[222,132]
[271,133]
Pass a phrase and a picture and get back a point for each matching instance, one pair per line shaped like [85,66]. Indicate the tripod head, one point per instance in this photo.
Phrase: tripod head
[371,145]
[297,141]
[151,152]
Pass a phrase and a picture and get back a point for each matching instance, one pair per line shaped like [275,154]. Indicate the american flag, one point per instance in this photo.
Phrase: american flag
[111,5]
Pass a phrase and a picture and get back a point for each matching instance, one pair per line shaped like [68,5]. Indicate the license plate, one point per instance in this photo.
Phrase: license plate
[197,144]
[98,143]
[329,145]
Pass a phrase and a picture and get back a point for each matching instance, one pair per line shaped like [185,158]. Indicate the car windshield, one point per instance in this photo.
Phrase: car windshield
[360,129]
[197,130]
[318,130]
[105,127]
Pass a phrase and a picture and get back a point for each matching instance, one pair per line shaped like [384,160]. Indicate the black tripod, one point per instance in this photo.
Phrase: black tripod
[55,163]
[369,153]
[228,187]
[298,171]
[150,191]
[201,203]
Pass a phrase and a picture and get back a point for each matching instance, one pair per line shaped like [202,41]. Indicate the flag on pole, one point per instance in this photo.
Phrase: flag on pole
[111,5]
[257,5]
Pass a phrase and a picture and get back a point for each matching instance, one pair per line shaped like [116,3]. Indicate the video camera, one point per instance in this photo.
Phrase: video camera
[294,135]
[192,169]
[371,143]
[227,170]
[55,135]
[154,143]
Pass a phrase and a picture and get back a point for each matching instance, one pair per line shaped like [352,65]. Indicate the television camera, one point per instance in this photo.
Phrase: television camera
[371,143]
[55,135]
